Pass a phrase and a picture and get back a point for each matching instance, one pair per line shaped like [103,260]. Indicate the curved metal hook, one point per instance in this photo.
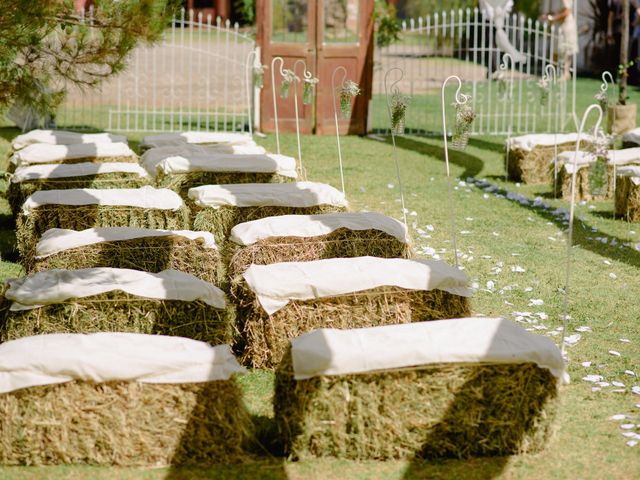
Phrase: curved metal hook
[503,65]
[460,97]
[386,76]
[306,74]
[605,85]
[333,77]
[550,73]
[592,107]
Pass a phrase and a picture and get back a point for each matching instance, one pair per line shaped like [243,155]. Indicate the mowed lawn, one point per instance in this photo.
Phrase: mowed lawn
[514,251]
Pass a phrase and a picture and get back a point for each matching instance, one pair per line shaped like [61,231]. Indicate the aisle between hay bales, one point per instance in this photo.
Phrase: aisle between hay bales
[513,253]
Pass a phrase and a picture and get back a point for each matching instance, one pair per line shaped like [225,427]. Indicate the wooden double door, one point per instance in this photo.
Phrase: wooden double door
[326,34]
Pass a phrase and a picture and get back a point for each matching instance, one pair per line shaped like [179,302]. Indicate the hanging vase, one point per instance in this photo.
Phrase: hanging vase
[464,118]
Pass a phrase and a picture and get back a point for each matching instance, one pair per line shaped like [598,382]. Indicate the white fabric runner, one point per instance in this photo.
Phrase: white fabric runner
[144,197]
[277,284]
[41,172]
[297,194]
[632,136]
[626,156]
[57,285]
[566,159]
[529,142]
[61,137]
[464,340]
[633,172]
[265,163]
[153,156]
[43,153]
[168,139]
[112,357]
[249,233]
[56,240]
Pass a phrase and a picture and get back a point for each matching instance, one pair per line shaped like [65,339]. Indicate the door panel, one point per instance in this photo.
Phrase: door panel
[286,28]
[326,34]
[345,34]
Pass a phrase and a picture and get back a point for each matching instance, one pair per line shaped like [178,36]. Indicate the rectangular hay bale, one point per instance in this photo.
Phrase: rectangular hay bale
[583,189]
[182,182]
[627,199]
[532,166]
[452,388]
[265,334]
[149,254]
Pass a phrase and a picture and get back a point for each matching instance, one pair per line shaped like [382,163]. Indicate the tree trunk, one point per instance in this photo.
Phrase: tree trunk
[624,53]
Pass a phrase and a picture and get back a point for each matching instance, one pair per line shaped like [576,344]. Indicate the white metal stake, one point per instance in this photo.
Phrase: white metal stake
[295,101]
[503,68]
[551,76]
[565,317]
[335,116]
[461,99]
[394,89]
[273,91]
[251,59]
[604,89]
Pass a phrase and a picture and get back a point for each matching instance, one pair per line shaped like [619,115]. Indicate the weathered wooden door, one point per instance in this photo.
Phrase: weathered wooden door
[325,34]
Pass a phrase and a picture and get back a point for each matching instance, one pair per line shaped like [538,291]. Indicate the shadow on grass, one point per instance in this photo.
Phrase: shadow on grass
[472,165]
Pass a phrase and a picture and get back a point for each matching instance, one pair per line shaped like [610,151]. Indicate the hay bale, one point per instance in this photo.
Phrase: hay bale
[302,238]
[40,153]
[627,195]
[138,249]
[177,139]
[125,417]
[411,401]
[182,172]
[80,209]
[585,167]
[281,301]
[218,208]
[530,155]
[95,302]
[28,180]
[63,137]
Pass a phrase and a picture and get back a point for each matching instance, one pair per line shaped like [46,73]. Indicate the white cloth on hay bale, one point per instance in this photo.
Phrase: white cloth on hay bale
[249,233]
[112,357]
[531,141]
[155,155]
[144,197]
[62,137]
[632,136]
[627,156]
[295,194]
[48,170]
[43,153]
[226,162]
[277,284]
[633,172]
[464,340]
[56,240]
[181,138]
[57,285]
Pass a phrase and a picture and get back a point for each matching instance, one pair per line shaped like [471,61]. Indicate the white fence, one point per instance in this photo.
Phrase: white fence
[194,79]
[463,43]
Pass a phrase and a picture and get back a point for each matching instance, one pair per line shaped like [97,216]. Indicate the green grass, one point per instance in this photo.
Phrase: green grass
[587,445]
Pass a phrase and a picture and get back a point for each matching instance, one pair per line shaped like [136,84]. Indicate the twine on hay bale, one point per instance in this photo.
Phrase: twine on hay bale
[118,311]
[583,189]
[29,228]
[341,243]
[221,220]
[17,193]
[149,254]
[125,423]
[120,159]
[532,166]
[627,199]
[436,411]
[265,337]
[182,182]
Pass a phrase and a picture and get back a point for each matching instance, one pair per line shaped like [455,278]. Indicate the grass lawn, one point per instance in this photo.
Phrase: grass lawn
[498,230]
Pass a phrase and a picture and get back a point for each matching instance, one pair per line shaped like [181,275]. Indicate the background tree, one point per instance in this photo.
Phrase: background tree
[46,45]
[624,54]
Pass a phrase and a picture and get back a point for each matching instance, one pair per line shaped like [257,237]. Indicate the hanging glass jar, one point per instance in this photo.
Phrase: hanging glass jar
[288,78]
[464,118]
[399,104]
[308,88]
[258,75]
[348,91]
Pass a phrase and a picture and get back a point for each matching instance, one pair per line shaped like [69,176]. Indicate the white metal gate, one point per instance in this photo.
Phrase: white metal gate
[194,79]
[462,43]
